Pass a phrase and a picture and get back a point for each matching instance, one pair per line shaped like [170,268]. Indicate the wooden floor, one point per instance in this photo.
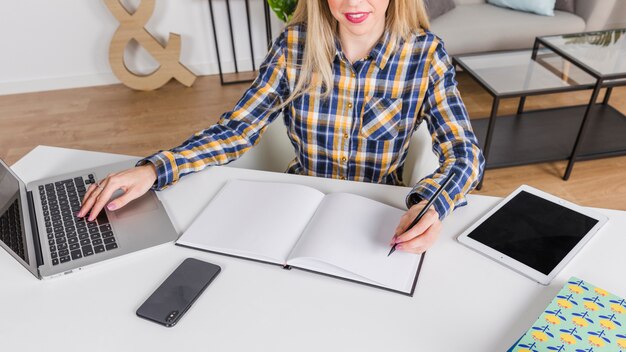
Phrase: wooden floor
[118,120]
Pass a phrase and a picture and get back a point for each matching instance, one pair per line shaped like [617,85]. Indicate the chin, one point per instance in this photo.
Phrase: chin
[358,29]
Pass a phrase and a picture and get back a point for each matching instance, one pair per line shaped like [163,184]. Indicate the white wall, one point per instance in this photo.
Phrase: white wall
[56,44]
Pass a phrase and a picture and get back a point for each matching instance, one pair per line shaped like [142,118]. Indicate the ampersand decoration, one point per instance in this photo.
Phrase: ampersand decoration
[132,27]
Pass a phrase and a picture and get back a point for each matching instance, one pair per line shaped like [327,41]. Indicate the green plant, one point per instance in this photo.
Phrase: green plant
[283,8]
[604,38]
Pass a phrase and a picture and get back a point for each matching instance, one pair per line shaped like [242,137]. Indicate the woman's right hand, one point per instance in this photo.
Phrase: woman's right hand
[133,182]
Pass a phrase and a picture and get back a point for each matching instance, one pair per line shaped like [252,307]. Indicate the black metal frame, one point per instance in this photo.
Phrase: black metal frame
[610,117]
[497,96]
[268,31]
[601,82]
[458,61]
[542,41]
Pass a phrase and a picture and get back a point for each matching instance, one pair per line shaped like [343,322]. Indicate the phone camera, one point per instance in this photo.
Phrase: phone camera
[170,317]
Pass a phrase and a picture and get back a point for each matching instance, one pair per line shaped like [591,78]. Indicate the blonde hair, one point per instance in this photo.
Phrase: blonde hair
[403,18]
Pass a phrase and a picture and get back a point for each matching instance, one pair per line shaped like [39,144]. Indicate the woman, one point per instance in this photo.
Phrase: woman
[353,80]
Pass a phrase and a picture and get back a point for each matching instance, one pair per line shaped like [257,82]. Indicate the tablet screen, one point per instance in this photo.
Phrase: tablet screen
[534,231]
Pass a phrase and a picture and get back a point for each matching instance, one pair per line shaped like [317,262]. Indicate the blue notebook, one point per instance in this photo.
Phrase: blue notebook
[581,318]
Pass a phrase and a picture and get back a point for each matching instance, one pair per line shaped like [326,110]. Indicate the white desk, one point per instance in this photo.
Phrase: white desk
[463,301]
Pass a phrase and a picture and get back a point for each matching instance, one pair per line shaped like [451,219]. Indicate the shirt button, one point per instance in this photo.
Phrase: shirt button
[343,159]
[349,105]
[345,136]
[353,74]
[342,177]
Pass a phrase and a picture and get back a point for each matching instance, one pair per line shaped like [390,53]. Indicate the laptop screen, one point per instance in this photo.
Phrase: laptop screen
[12,232]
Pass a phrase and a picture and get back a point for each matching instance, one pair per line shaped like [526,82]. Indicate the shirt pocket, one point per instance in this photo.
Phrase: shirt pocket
[381,118]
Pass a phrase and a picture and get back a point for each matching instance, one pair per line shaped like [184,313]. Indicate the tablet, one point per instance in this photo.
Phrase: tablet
[533,233]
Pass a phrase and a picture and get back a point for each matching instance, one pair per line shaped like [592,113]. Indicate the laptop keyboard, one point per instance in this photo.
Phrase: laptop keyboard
[71,238]
[11,229]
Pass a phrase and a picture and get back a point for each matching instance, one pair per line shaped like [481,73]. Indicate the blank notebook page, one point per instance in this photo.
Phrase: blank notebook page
[353,233]
[262,220]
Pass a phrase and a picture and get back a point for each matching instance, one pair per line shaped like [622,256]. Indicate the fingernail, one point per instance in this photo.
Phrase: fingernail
[111,206]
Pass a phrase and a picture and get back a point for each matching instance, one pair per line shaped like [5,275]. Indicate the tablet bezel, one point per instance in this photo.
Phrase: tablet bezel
[517,265]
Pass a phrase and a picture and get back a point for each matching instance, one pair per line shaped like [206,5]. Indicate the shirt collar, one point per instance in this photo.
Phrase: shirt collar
[380,53]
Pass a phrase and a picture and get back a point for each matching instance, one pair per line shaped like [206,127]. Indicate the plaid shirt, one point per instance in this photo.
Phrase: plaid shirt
[362,132]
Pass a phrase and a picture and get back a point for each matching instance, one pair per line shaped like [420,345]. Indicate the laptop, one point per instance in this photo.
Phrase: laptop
[39,227]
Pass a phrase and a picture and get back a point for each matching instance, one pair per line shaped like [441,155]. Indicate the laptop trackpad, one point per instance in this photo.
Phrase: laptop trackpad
[144,204]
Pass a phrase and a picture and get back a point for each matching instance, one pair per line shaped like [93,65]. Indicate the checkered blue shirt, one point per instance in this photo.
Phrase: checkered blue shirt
[361,132]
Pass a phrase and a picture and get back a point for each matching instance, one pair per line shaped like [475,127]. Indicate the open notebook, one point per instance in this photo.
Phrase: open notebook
[295,226]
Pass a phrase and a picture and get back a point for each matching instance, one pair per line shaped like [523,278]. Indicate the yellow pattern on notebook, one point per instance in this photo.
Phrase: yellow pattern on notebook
[581,318]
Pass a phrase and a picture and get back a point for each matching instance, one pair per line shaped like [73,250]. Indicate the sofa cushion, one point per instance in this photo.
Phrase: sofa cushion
[436,8]
[540,7]
[484,27]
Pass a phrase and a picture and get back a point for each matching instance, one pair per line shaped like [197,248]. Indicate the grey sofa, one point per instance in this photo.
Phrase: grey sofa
[475,26]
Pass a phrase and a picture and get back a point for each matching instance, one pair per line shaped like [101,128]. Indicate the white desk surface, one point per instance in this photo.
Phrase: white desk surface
[463,301]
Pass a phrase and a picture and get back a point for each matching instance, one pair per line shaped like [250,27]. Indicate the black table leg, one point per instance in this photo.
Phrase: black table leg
[490,128]
[250,34]
[535,49]
[268,32]
[607,95]
[268,24]
[520,107]
[217,49]
[581,131]
[232,37]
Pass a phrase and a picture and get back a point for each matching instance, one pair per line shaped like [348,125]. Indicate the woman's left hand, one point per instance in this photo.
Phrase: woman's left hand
[423,235]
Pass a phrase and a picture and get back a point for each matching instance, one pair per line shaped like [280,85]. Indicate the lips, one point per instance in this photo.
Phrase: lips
[356,17]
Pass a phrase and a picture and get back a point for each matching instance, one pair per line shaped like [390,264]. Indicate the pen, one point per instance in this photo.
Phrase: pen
[425,208]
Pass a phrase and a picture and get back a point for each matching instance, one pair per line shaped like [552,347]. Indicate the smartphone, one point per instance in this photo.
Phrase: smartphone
[172,299]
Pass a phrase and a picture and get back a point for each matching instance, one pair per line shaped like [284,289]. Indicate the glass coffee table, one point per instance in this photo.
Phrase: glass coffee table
[601,54]
[546,134]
